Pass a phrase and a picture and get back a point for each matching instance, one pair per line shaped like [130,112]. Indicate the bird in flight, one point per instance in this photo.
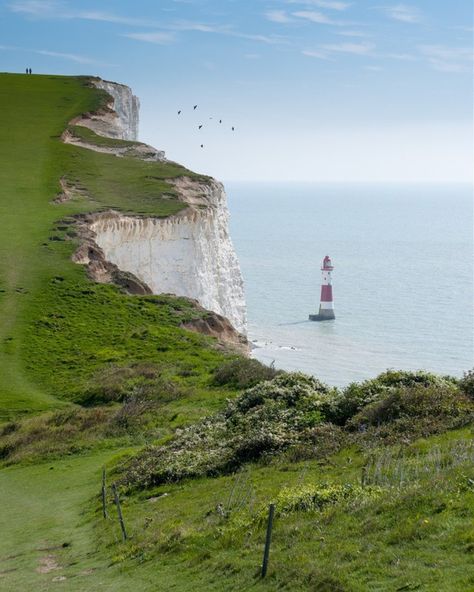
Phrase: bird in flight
[202,145]
[200,127]
[195,107]
[220,120]
[233,128]
[179,112]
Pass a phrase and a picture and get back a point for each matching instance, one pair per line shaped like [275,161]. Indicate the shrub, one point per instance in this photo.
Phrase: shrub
[322,441]
[72,430]
[414,411]
[264,420]
[115,384]
[243,373]
[466,384]
[356,396]
[130,416]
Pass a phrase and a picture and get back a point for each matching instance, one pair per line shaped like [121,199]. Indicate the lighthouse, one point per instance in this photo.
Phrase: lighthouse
[326,306]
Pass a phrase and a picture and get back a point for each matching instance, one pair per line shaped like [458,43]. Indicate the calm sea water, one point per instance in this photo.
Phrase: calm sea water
[403,277]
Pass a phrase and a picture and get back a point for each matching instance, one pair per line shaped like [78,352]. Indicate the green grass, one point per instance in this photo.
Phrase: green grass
[57,326]
[413,536]
[418,533]
[88,136]
[60,332]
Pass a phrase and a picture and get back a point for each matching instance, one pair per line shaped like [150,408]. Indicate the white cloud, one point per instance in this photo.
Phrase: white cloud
[315,17]
[55,9]
[447,53]
[404,13]
[197,26]
[354,48]
[165,37]
[448,59]
[277,16]
[404,57]
[352,33]
[268,39]
[34,7]
[373,68]
[312,53]
[327,51]
[157,37]
[73,57]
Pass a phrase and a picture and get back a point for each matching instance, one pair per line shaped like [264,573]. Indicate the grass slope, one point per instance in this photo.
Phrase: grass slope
[65,339]
[415,535]
[58,327]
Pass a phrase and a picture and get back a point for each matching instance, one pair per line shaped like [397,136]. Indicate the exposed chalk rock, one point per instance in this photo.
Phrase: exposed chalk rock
[120,120]
[136,150]
[189,254]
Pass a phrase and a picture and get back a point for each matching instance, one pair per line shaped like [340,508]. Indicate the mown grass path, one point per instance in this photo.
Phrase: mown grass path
[46,511]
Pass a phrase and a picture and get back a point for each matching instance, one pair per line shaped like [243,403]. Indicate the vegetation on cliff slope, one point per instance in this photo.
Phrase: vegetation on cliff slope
[355,512]
[57,326]
[374,484]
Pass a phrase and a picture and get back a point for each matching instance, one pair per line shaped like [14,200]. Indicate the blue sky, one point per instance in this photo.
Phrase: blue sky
[324,90]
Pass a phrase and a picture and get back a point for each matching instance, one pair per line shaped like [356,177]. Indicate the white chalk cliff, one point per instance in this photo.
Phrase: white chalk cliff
[122,119]
[187,254]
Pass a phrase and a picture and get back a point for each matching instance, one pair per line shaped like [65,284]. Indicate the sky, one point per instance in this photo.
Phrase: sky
[317,90]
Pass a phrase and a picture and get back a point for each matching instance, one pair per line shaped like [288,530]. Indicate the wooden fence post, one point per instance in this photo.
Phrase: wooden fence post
[268,539]
[104,494]
[119,512]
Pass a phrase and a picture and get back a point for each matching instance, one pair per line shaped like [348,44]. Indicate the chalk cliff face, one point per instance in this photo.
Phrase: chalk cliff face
[188,254]
[126,106]
[121,121]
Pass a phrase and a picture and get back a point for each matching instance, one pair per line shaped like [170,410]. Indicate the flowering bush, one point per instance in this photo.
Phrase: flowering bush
[265,419]
[243,373]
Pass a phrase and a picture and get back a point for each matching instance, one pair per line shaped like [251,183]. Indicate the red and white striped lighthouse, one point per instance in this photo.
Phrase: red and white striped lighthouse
[326,306]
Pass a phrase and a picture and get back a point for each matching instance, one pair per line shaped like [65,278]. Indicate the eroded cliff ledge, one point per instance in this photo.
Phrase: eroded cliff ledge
[187,254]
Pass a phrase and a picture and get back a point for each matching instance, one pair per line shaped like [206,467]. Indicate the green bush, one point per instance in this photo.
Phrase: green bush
[243,373]
[466,384]
[264,420]
[322,441]
[115,384]
[413,412]
[356,396]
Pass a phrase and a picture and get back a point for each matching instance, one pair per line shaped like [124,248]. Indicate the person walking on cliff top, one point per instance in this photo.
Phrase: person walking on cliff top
[30,71]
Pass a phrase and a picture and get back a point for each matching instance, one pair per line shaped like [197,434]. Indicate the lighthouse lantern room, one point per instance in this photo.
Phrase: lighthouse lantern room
[326,306]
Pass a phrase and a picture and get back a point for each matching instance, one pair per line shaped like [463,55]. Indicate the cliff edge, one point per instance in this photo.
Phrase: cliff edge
[189,253]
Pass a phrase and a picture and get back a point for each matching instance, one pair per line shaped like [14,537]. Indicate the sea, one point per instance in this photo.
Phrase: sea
[402,280]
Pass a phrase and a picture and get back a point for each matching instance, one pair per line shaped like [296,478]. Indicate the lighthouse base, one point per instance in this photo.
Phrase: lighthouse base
[324,315]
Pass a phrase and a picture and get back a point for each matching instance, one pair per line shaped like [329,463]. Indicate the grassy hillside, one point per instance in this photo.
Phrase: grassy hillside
[373,484]
[58,327]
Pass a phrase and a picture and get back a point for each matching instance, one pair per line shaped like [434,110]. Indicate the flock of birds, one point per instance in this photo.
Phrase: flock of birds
[201,125]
